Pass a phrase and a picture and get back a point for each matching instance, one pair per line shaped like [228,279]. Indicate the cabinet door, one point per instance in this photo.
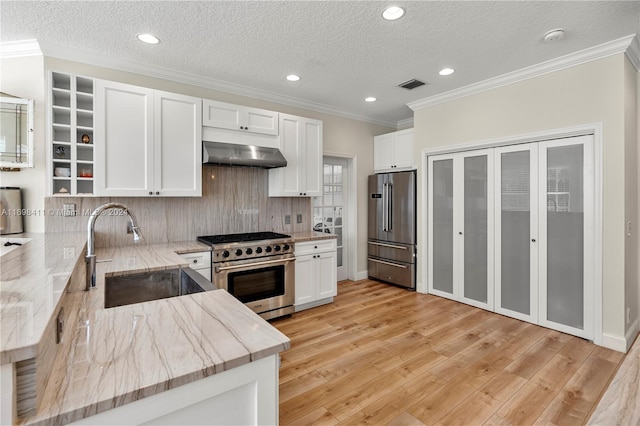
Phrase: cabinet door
[566,221]
[124,139]
[516,233]
[312,169]
[326,273]
[403,149]
[237,117]
[178,145]
[286,181]
[383,152]
[305,279]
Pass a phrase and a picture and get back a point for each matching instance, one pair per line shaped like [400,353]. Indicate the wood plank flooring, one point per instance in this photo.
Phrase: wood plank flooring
[384,355]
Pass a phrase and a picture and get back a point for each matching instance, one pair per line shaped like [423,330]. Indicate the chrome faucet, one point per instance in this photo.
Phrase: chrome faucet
[90,258]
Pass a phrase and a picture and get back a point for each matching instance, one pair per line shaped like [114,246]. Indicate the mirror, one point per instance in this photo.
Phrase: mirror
[16,132]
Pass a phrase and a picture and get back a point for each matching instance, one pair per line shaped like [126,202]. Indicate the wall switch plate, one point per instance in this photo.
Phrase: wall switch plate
[69,252]
[287,219]
[628,315]
[298,218]
[69,209]
[628,228]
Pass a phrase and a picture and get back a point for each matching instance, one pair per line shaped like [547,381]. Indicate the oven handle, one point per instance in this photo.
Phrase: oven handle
[266,262]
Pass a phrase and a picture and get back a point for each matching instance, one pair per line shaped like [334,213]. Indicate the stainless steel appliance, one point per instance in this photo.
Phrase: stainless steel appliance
[257,268]
[392,228]
[11,211]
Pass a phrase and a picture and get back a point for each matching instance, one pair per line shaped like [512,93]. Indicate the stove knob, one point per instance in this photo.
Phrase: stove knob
[225,253]
[276,247]
[285,247]
[249,251]
[238,252]
[268,249]
[259,250]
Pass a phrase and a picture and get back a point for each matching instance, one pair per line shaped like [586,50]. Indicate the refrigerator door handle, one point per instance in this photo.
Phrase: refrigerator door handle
[390,207]
[397,265]
[388,245]
[384,206]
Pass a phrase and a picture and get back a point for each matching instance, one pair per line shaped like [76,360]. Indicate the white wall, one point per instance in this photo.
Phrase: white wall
[24,77]
[588,93]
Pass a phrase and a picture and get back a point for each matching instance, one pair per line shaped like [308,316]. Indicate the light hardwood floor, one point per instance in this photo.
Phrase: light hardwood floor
[384,355]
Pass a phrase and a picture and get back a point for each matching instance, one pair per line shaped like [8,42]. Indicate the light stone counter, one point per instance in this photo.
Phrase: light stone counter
[110,357]
[311,236]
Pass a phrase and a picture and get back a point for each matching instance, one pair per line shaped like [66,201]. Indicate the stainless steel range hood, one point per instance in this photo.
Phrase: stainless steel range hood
[229,154]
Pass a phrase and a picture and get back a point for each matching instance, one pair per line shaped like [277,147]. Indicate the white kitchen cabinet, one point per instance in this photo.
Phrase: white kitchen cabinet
[148,142]
[301,145]
[393,151]
[199,262]
[71,134]
[238,117]
[316,273]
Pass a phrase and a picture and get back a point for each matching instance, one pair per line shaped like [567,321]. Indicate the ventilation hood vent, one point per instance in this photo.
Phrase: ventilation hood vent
[229,154]
[411,84]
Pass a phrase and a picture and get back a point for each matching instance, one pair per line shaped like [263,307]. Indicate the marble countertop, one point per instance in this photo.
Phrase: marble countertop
[312,236]
[109,357]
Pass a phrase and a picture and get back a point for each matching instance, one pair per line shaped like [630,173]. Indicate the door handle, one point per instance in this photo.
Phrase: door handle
[388,263]
[388,245]
[384,206]
[267,262]
[390,207]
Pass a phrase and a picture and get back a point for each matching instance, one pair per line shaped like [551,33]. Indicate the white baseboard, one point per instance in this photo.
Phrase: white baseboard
[630,336]
[614,342]
[362,275]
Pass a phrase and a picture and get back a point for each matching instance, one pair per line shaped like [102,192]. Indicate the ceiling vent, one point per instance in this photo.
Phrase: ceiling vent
[411,84]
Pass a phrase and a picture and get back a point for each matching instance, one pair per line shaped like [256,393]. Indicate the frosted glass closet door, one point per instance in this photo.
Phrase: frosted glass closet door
[566,225]
[475,229]
[440,226]
[516,232]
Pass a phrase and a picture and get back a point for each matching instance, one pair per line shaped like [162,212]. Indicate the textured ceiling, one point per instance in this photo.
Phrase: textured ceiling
[343,50]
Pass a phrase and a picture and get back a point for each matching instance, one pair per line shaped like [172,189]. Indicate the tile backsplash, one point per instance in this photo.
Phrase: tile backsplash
[234,199]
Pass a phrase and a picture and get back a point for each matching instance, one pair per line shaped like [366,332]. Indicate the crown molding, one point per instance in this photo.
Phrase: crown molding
[633,53]
[405,124]
[604,50]
[19,49]
[60,52]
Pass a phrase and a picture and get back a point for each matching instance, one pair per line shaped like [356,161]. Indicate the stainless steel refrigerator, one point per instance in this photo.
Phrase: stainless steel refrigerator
[392,228]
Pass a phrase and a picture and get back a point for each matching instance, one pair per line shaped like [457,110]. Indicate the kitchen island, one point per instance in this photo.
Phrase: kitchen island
[169,361]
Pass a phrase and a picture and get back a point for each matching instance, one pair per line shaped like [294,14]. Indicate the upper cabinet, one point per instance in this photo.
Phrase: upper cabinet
[71,117]
[237,117]
[393,151]
[148,142]
[301,145]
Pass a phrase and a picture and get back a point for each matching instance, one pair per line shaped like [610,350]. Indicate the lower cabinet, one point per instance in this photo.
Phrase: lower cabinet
[199,262]
[316,273]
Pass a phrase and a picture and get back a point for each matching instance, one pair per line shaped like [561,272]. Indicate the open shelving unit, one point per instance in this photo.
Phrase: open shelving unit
[72,120]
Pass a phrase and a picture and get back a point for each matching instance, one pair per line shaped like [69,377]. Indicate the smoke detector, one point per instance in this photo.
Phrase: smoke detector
[554,35]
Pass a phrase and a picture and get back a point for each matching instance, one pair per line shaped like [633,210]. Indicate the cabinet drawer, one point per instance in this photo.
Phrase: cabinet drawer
[316,246]
[198,260]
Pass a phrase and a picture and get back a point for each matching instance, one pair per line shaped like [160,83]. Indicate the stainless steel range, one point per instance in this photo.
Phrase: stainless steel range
[258,268]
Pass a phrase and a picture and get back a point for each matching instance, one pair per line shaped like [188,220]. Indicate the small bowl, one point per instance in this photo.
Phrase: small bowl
[62,172]
[86,173]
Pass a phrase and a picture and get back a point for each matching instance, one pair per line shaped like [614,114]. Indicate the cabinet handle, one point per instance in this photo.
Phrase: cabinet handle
[195,260]
[150,193]
[460,233]
[157,192]
[533,240]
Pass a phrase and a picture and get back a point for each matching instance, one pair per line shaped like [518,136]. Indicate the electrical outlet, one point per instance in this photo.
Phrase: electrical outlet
[68,209]
[628,228]
[287,219]
[298,218]
[68,252]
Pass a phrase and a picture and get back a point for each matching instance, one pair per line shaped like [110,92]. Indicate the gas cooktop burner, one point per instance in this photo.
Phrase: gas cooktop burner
[234,238]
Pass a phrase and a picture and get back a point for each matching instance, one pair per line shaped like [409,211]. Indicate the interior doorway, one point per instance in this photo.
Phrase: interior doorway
[332,212]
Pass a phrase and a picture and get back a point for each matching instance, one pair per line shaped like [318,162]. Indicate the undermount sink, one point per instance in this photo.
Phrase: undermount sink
[123,290]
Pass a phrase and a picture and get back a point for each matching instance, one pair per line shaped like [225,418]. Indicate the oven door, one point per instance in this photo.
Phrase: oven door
[262,285]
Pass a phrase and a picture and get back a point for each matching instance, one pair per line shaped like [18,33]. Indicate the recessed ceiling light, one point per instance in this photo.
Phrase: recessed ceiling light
[148,38]
[392,13]
[293,77]
[446,71]
[370,99]
[554,35]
